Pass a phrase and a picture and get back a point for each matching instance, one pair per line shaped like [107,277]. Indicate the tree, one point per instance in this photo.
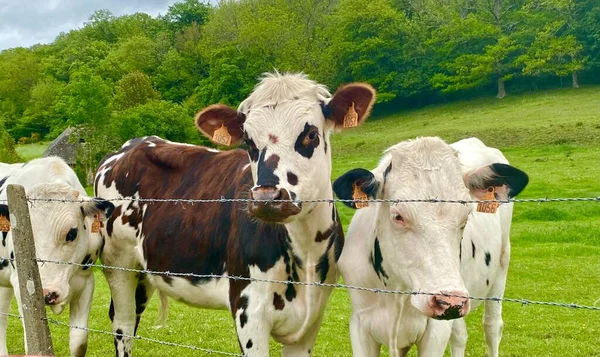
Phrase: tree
[41,115]
[167,120]
[132,90]
[185,13]
[136,53]
[8,154]
[19,72]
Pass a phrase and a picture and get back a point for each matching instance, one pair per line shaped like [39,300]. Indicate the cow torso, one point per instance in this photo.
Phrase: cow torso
[214,238]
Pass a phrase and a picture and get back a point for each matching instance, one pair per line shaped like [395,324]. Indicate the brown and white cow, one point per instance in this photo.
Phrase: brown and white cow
[285,124]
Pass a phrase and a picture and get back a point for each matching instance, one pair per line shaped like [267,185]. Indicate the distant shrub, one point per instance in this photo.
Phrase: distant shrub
[8,154]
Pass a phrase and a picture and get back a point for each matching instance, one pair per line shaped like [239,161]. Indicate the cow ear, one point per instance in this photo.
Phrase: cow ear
[364,180]
[98,206]
[4,211]
[350,105]
[507,181]
[221,124]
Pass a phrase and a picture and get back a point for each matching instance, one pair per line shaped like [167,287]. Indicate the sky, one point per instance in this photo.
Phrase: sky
[27,22]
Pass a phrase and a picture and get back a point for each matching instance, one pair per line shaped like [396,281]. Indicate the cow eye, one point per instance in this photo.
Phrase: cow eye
[72,234]
[398,218]
[313,135]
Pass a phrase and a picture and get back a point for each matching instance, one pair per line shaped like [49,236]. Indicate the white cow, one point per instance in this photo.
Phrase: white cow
[62,232]
[437,248]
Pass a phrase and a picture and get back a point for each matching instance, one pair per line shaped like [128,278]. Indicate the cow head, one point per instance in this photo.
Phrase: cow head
[420,242]
[61,232]
[285,125]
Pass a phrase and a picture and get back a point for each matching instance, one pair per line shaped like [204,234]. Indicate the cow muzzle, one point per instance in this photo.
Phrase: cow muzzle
[274,205]
[51,297]
[448,305]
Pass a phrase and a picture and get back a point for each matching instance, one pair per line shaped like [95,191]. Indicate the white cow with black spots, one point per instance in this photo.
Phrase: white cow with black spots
[62,232]
[447,251]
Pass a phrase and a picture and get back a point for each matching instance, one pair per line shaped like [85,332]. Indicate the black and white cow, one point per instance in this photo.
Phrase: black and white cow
[446,250]
[62,232]
[285,125]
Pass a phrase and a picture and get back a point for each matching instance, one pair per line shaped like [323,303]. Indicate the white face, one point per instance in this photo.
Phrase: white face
[420,242]
[288,145]
[62,232]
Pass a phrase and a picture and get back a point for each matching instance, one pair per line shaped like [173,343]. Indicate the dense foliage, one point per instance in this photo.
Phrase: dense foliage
[136,75]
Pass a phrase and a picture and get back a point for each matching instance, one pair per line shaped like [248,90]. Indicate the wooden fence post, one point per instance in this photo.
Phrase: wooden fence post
[37,333]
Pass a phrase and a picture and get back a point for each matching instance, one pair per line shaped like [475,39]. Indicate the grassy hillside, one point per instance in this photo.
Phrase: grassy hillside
[553,136]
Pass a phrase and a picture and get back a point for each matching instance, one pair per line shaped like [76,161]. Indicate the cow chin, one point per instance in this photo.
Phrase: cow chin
[274,212]
[58,309]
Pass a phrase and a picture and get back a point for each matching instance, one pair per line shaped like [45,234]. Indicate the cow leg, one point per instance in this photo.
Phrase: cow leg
[143,293]
[122,308]
[434,340]
[458,338]
[362,343]
[492,320]
[6,295]
[79,316]
[252,326]
[304,347]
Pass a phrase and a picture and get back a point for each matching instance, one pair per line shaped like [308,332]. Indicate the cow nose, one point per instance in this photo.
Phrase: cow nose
[449,305]
[271,210]
[50,297]
[266,193]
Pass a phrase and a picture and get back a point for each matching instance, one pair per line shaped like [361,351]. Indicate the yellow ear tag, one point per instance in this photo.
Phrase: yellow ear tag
[4,224]
[97,224]
[351,118]
[488,207]
[222,136]
[359,195]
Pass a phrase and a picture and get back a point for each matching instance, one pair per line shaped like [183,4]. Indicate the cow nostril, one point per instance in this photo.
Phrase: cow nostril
[277,195]
[51,297]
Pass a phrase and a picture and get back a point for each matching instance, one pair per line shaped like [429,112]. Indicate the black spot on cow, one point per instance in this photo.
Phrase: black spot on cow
[243,307]
[307,142]
[3,263]
[290,292]
[140,298]
[278,302]
[4,235]
[86,261]
[249,344]
[387,171]
[460,251]
[487,282]
[111,310]
[325,142]
[488,258]
[473,246]
[12,259]
[292,178]
[266,170]
[377,262]
[323,266]
[298,261]
[119,334]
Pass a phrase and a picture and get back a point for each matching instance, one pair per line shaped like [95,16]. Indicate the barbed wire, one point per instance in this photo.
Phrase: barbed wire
[136,337]
[522,301]
[318,200]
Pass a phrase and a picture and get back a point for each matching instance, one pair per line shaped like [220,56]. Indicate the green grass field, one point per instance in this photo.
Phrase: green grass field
[32,151]
[553,136]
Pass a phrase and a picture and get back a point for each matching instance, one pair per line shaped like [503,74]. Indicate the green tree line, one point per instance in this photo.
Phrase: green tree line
[134,75]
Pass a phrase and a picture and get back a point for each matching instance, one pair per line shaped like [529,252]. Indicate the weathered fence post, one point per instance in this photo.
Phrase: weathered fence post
[30,286]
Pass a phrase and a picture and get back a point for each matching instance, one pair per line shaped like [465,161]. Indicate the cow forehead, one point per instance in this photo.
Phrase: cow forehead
[285,120]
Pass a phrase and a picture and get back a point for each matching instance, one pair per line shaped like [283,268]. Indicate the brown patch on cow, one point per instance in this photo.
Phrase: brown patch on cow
[325,235]
[81,350]
[274,139]
[292,178]
[111,220]
[278,302]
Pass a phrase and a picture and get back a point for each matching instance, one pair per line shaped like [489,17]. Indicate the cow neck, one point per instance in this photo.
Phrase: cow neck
[303,232]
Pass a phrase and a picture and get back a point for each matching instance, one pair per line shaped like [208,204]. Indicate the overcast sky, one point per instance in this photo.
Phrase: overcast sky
[27,22]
